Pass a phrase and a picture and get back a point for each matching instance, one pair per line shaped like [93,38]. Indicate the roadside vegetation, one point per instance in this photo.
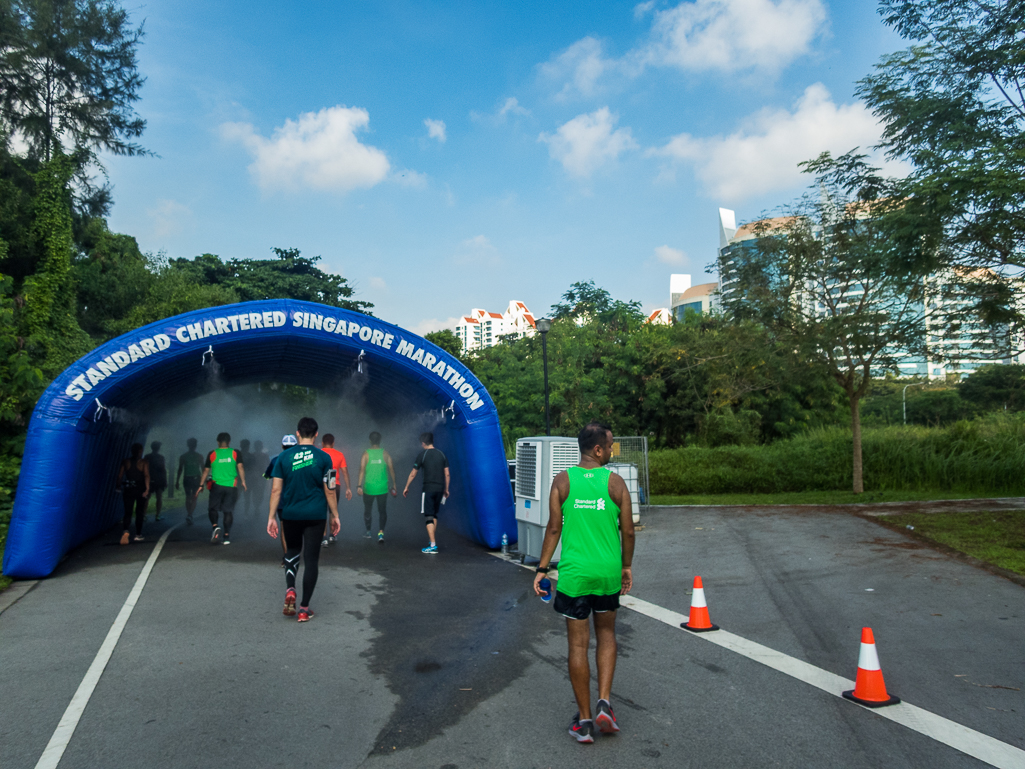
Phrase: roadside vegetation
[997,538]
[812,498]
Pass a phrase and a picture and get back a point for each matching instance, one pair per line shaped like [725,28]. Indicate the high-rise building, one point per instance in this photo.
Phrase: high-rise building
[482,328]
[949,348]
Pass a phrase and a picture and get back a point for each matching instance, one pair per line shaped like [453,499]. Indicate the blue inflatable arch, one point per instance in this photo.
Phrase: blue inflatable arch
[85,422]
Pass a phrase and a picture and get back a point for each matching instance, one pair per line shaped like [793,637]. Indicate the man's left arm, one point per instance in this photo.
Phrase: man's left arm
[620,494]
[345,477]
[332,506]
[242,475]
[448,478]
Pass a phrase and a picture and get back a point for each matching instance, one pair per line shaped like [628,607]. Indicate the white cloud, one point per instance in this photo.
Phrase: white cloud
[667,255]
[378,284]
[587,142]
[477,251]
[435,129]
[512,106]
[319,151]
[407,177]
[169,217]
[696,36]
[763,156]
[433,324]
[731,35]
[581,66]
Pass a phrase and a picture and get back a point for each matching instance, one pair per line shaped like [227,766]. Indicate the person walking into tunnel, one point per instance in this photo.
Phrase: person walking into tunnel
[435,490]
[245,500]
[597,532]
[305,501]
[190,465]
[259,490]
[225,469]
[376,480]
[341,470]
[157,477]
[133,482]
[287,442]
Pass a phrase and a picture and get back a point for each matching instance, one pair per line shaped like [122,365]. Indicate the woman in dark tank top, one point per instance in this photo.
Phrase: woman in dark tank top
[133,481]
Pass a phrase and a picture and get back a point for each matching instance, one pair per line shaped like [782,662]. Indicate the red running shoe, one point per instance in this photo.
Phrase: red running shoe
[305,614]
[582,731]
[289,609]
[606,719]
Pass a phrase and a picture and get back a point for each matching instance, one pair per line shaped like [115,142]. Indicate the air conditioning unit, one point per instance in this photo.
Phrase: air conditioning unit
[538,461]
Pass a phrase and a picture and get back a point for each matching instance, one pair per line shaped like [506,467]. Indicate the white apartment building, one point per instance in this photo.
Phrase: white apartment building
[482,328]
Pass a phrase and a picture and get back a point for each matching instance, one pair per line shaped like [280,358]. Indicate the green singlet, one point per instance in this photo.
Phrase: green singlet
[592,555]
[223,464]
[375,476]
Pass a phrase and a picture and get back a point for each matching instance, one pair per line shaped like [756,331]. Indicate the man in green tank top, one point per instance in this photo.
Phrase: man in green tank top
[376,479]
[597,532]
[226,471]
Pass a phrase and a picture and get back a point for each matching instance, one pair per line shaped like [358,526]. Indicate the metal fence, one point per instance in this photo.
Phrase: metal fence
[630,460]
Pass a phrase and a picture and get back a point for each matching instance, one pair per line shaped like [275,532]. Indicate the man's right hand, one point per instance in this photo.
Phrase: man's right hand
[628,580]
[272,528]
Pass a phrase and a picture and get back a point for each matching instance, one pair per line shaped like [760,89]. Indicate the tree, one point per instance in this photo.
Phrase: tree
[69,78]
[824,279]
[586,301]
[996,387]
[447,341]
[290,276]
[953,104]
[113,277]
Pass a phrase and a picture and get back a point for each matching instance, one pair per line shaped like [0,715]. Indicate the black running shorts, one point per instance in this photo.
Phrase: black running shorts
[580,607]
[223,498]
[430,503]
[191,483]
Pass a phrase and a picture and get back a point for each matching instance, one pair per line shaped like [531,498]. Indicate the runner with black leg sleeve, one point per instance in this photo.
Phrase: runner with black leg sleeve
[305,501]
[597,532]
[436,480]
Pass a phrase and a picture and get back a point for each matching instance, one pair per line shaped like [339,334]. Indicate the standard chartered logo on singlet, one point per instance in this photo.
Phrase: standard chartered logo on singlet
[302,459]
[588,504]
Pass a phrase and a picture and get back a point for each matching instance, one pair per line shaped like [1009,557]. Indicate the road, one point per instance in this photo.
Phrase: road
[449,661]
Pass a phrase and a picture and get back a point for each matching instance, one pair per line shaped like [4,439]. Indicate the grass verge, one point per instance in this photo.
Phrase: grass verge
[997,538]
[813,498]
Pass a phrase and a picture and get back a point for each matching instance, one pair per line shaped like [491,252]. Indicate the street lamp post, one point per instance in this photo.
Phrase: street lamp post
[544,325]
[904,399]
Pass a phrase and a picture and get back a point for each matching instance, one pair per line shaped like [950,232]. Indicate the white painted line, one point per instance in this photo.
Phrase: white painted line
[69,721]
[14,593]
[957,736]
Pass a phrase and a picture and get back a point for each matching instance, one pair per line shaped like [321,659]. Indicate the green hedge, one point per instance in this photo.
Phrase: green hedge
[981,455]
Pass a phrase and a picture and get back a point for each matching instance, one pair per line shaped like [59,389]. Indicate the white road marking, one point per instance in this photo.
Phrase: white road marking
[957,736]
[69,721]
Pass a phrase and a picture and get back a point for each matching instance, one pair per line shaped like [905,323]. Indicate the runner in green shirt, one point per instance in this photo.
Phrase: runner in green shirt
[597,532]
[376,479]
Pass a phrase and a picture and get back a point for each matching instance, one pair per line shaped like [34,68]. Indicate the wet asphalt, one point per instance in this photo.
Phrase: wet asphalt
[449,661]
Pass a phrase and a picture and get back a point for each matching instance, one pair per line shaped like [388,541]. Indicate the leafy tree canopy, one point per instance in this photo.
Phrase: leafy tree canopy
[586,301]
[447,341]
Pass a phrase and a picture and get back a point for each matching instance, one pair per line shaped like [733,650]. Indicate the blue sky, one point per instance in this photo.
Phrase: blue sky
[445,156]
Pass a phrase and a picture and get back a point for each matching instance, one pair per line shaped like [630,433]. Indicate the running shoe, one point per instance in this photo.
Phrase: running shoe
[157,517]
[139,538]
[305,614]
[331,540]
[582,731]
[430,550]
[226,539]
[380,536]
[606,719]
[289,610]
[368,535]
[323,543]
[188,520]
[215,538]
[124,538]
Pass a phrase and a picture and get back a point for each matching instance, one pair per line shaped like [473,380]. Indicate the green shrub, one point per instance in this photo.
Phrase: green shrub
[980,455]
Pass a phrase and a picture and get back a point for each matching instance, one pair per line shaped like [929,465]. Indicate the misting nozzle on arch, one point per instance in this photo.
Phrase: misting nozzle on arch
[208,355]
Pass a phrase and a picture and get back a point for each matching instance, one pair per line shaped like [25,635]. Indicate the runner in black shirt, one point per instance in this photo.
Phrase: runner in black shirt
[157,476]
[435,491]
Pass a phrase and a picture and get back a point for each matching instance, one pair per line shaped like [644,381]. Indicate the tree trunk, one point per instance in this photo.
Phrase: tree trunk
[859,482]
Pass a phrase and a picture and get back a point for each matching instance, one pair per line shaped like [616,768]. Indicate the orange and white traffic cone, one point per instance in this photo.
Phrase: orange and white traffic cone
[869,687]
[699,620]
